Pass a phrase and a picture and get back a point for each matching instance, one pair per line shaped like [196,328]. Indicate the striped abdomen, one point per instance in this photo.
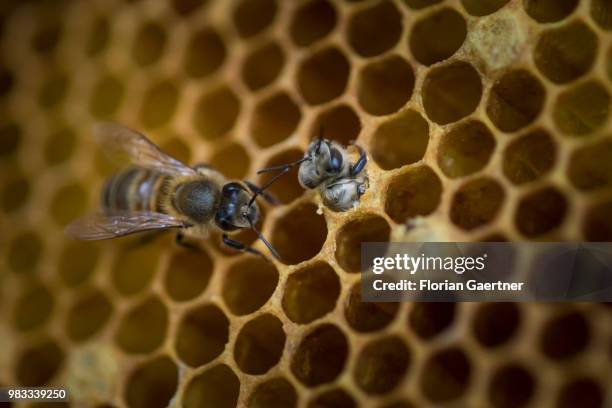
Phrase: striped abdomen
[135,189]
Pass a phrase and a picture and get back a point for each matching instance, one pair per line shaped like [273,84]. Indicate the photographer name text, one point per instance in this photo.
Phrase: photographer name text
[429,285]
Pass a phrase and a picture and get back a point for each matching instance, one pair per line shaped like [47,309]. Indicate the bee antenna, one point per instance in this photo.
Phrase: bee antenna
[264,240]
[261,189]
[284,168]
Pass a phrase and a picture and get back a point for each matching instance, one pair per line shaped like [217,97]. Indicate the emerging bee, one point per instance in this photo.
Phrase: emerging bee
[326,167]
[160,192]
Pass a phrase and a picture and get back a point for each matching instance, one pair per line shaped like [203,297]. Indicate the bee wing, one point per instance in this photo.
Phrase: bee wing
[105,226]
[118,139]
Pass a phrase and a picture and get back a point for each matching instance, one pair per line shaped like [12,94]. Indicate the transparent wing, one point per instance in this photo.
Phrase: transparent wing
[106,226]
[118,140]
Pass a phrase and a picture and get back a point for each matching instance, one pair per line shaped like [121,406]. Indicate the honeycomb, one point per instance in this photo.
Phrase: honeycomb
[483,120]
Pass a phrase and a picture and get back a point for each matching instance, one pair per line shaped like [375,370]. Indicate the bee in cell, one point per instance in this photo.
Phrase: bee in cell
[159,192]
[326,167]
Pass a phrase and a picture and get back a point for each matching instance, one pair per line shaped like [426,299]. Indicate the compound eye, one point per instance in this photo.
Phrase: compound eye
[232,187]
[335,161]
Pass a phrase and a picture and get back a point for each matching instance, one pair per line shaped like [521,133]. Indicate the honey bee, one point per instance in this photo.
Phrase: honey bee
[326,167]
[159,192]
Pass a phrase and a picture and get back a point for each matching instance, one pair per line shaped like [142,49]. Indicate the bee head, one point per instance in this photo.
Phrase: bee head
[236,211]
[322,161]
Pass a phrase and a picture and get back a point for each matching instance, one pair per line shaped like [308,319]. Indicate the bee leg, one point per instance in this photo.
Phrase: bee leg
[360,164]
[181,241]
[267,196]
[240,246]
